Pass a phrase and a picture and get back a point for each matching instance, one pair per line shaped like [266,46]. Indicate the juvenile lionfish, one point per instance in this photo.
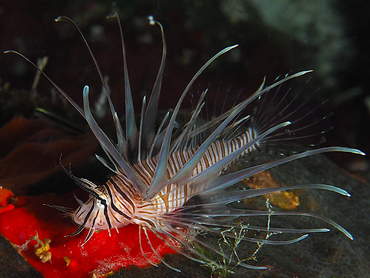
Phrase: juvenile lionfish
[171,180]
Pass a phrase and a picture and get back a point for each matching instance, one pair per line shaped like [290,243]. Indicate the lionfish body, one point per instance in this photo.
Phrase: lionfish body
[124,205]
[172,185]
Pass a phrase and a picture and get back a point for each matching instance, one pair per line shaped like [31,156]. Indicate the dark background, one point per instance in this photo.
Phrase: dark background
[275,37]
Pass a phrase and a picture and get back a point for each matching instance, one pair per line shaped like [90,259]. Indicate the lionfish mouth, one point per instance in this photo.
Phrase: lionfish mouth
[171,181]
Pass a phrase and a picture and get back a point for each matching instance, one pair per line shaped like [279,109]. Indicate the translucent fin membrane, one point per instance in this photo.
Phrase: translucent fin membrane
[160,175]
[212,205]
[230,179]
[303,110]
[151,110]
[131,129]
[106,143]
[117,124]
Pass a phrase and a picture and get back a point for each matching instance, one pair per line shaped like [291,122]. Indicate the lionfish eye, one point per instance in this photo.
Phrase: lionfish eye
[103,202]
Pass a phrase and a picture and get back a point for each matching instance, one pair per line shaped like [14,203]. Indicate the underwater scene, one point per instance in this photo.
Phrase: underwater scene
[184,139]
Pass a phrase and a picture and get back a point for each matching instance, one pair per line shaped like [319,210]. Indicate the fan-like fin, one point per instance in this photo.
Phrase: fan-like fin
[214,224]
[191,164]
[189,125]
[230,179]
[141,127]
[116,123]
[61,208]
[106,164]
[151,110]
[159,136]
[131,128]
[106,144]
[160,175]
[227,197]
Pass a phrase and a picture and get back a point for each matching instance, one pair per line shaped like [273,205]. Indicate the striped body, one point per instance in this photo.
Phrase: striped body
[176,195]
[126,206]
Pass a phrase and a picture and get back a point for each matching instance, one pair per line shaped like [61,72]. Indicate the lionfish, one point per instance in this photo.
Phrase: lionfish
[169,181]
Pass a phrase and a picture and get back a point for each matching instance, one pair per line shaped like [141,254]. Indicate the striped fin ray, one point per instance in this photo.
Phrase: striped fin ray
[224,160]
[186,171]
[259,92]
[264,241]
[223,220]
[297,106]
[179,143]
[188,168]
[230,179]
[215,211]
[151,110]
[216,158]
[208,183]
[120,162]
[141,128]
[160,175]
[214,198]
[117,124]
[131,128]
[159,136]
[160,178]
[207,187]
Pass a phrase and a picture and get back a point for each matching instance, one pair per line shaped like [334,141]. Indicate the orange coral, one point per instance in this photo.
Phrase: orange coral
[282,199]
